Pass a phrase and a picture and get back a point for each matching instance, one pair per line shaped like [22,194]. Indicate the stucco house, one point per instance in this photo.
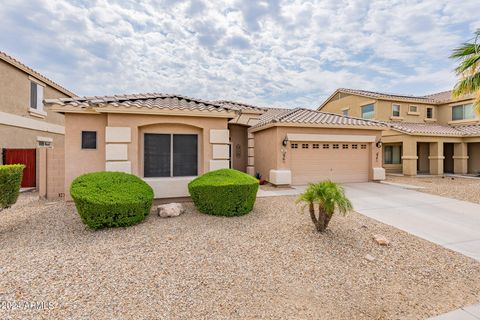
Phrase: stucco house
[27,129]
[431,134]
[167,140]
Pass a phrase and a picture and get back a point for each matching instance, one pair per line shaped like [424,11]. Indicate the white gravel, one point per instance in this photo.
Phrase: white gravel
[268,264]
[466,189]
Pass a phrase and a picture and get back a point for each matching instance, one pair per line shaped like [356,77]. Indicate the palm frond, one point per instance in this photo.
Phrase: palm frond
[467,85]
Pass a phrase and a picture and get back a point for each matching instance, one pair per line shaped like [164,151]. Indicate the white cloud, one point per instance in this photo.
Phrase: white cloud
[291,53]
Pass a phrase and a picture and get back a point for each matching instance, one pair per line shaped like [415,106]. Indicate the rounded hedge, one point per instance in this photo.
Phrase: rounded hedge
[224,192]
[111,199]
[10,181]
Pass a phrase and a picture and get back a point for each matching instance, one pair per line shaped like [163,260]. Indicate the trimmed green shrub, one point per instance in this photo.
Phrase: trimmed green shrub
[10,181]
[224,192]
[111,199]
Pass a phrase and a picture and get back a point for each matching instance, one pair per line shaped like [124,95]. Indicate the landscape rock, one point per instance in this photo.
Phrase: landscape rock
[381,240]
[170,210]
[369,257]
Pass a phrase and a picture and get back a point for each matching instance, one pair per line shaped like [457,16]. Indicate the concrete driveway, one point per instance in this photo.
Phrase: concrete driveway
[451,223]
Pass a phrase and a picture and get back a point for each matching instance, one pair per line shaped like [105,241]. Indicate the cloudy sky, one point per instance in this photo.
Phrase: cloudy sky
[285,53]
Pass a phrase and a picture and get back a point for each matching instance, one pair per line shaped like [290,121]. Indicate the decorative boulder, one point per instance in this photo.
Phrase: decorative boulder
[170,210]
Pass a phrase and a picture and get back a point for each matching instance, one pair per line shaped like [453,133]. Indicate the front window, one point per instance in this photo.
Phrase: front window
[463,112]
[36,96]
[396,110]
[429,113]
[170,155]
[368,111]
[89,139]
[392,155]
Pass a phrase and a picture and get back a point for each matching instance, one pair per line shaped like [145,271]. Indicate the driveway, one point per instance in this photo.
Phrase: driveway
[451,223]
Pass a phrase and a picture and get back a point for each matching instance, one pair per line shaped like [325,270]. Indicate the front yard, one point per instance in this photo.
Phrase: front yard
[267,264]
[466,189]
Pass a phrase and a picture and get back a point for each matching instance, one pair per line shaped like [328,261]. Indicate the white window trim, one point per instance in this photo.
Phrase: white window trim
[39,112]
[399,109]
[366,105]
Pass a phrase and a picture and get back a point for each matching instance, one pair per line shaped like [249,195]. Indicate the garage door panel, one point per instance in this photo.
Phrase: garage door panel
[339,165]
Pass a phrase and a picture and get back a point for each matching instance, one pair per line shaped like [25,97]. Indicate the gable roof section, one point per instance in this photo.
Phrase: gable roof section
[136,103]
[435,98]
[239,106]
[308,117]
[434,129]
[17,64]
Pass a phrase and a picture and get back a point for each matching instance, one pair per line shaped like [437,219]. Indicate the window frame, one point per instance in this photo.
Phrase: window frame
[362,112]
[412,111]
[83,143]
[393,110]
[463,107]
[392,160]
[36,97]
[426,113]
[171,155]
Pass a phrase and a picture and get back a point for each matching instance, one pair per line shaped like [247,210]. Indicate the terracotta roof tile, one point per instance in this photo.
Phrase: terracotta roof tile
[240,106]
[435,129]
[309,116]
[14,62]
[379,95]
[144,100]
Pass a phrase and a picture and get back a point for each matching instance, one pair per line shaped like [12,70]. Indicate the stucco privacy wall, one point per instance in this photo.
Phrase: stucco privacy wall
[120,145]
[51,167]
[268,146]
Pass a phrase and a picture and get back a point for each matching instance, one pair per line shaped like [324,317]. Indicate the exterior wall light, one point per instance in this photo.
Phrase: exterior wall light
[285,141]
[379,144]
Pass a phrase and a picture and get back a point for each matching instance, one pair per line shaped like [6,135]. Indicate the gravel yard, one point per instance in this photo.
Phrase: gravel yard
[268,264]
[466,189]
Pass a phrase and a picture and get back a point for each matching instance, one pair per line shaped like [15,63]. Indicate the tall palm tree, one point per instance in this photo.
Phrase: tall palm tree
[468,69]
[330,197]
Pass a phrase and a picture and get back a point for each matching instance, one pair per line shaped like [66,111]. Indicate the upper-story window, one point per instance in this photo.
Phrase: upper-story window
[429,113]
[368,111]
[36,96]
[463,112]
[395,110]
[413,109]
[345,112]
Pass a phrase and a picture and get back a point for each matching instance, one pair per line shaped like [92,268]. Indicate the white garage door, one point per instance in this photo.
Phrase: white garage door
[339,162]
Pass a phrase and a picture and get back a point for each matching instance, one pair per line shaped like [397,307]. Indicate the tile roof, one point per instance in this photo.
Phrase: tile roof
[239,106]
[146,100]
[309,116]
[14,62]
[435,98]
[435,129]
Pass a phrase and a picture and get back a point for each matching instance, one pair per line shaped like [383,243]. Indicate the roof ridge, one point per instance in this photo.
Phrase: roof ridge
[288,112]
[18,64]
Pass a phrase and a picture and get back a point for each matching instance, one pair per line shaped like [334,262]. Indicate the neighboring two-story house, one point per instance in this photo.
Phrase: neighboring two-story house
[432,134]
[25,126]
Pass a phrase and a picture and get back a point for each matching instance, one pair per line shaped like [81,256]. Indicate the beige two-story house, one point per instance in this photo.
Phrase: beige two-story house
[25,126]
[431,134]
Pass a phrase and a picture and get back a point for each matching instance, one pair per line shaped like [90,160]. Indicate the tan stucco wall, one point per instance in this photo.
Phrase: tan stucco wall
[239,141]
[80,161]
[268,146]
[15,94]
[353,103]
[474,157]
[445,113]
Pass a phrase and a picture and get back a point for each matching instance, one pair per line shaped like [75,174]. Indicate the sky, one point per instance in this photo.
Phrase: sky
[268,53]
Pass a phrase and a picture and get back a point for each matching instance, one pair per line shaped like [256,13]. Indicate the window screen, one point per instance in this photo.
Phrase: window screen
[429,113]
[89,140]
[33,95]
[157,155]
[185,155]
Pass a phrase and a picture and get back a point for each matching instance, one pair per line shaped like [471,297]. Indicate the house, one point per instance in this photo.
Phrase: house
[432,134]
[26,128]
[167,140]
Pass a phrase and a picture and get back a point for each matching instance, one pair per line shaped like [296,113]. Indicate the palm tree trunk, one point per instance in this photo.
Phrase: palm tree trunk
[323,219]
[312,214]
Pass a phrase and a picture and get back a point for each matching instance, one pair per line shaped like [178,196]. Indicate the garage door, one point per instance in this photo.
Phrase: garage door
[339,162]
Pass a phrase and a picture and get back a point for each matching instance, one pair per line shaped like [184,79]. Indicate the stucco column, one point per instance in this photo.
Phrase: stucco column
[460,158]
[436,158]
[409,157]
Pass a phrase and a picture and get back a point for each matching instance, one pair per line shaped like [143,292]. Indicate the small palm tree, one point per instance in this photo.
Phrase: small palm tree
[468,69]
[330,197]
